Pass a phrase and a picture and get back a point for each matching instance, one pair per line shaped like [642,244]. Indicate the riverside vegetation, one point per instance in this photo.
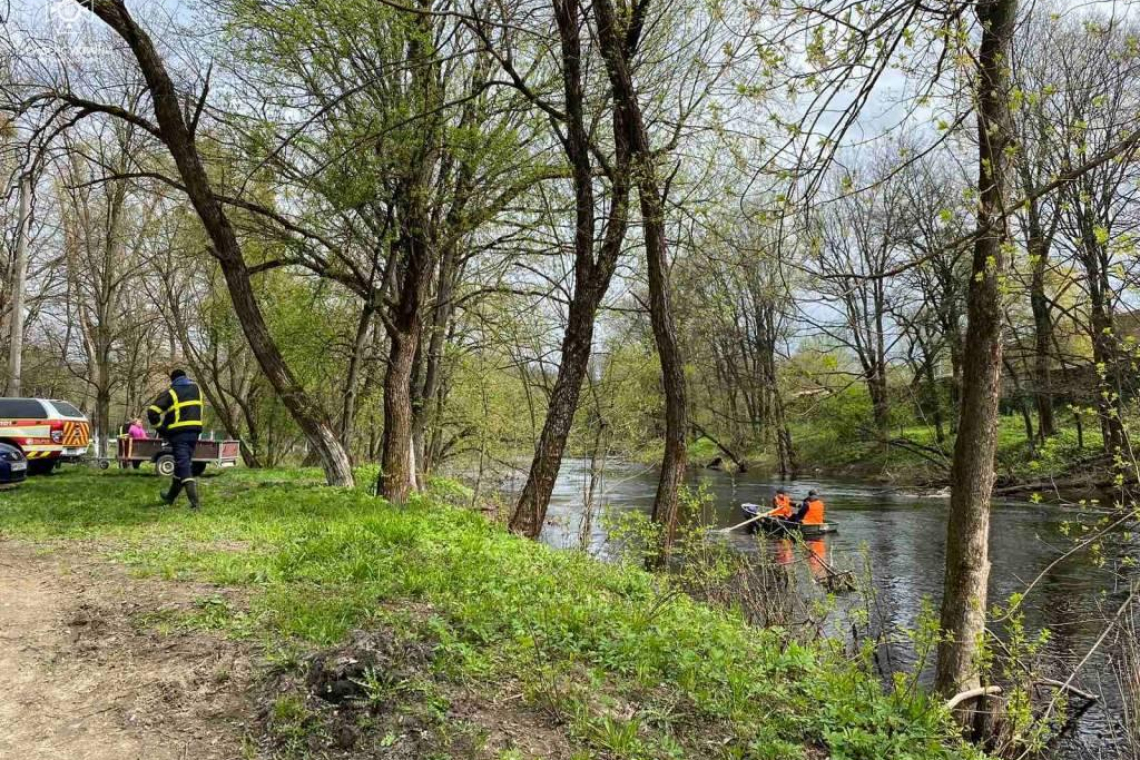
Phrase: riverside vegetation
[443,610]
[843,234]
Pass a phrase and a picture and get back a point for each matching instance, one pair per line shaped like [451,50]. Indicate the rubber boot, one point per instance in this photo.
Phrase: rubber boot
[175,489]
[192,493]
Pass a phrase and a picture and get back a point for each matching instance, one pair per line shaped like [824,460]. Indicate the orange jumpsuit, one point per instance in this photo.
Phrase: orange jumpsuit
[781,506]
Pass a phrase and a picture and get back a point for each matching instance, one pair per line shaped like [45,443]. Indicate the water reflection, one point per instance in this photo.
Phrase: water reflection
[903,536]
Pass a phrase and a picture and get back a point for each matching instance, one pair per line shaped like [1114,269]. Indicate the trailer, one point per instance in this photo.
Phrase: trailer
[134,451]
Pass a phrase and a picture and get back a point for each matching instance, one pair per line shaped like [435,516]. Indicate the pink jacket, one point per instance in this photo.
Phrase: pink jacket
[136,431]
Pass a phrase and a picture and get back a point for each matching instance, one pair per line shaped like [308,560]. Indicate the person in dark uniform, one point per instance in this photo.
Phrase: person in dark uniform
[177,415]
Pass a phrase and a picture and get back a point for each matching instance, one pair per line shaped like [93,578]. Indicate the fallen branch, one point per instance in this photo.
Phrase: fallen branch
[741,465]
[1073,484]
[966,696]
[1062,686]
[1068,682]
[929,453]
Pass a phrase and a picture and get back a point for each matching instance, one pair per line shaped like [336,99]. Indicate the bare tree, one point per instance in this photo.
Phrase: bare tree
[1096,100]
[858,240]
[619,40]
[105,227]
[176,128]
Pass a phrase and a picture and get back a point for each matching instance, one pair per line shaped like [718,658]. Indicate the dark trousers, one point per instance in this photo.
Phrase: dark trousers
[182,444]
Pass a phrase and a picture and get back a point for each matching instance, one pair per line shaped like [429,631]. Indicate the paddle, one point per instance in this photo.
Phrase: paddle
[749,521]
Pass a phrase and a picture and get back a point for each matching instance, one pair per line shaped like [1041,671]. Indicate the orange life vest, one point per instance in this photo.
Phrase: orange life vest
[814,515]
[782,506]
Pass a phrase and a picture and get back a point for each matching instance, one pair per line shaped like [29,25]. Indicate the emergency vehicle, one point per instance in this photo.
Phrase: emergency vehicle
[47,431]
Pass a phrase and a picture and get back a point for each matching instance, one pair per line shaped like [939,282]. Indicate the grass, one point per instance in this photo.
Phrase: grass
[620,665]
[836,450]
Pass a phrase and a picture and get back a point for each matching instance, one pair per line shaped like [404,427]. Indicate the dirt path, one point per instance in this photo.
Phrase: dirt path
[83,677]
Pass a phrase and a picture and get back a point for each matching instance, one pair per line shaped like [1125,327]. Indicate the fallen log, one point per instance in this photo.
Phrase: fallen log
[1070,484]
[741,465]
[1068,687]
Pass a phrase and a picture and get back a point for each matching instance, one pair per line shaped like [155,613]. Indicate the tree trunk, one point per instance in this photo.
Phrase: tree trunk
[416,245]
[530,512]
[967,540]
[667,501]
[932,389]
[251,442]
[437,445]
[433,362]
[880,404]
[785,452]
[102,410]
[617,47]
[591,277]
[176,133]
[352,381]
[1023,403]
[19,275]
[397,477]
[397,462]
[1105,355]
[1038,245]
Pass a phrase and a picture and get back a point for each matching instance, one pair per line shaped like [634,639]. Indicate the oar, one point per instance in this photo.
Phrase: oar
[749,521]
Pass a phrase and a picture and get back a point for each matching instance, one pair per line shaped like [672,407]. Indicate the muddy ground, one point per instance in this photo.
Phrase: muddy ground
[85,675]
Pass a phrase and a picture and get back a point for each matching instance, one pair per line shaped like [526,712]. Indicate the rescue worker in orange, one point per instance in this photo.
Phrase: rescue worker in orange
[811,511]
[177,415]
[781,505]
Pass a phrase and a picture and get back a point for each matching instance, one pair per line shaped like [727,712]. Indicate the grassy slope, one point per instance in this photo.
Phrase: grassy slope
[582,638]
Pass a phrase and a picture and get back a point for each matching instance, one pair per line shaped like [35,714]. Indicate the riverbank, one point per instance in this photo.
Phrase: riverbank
[425,631]
[913,457]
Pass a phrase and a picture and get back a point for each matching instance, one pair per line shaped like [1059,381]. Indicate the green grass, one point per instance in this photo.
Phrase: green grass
[836,450]
[629,669]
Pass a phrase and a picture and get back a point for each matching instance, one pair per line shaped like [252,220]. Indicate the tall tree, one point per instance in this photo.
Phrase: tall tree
[402,155]
[964,595]
[594,266]
[1097,100]
[176,129]
[105,229]
[858,242]
[1034,70]
[620,40]
[17,286]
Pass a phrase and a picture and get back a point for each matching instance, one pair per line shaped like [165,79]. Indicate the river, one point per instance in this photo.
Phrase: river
[904,536]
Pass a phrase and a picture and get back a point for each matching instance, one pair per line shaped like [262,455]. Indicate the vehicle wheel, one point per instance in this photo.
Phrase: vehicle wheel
[165,466]
[104,464]
[197,468]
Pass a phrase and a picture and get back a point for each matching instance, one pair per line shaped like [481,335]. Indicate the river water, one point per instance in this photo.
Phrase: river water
[903,534]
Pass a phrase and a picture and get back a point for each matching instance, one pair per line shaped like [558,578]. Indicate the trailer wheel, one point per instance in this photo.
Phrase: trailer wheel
[41,466]
[197,468]
[104,464]
[164,465]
